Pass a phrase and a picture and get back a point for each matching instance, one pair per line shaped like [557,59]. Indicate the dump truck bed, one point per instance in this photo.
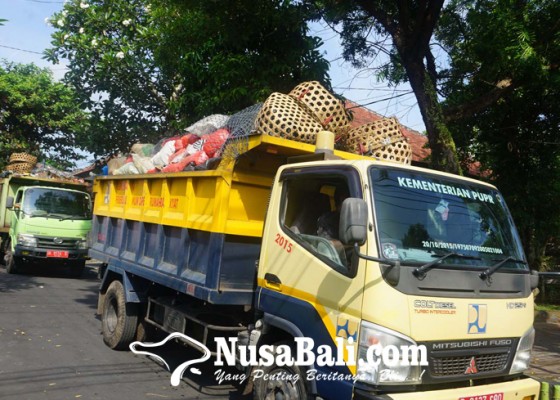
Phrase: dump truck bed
[197,232]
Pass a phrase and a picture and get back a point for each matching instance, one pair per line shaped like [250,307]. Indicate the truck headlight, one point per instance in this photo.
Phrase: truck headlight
[523,353]
[27,240]
[82,244]
[386,357]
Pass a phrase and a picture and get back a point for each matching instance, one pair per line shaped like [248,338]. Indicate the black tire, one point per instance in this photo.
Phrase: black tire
[119,318]
[283,387]
[145,332]
[10,260]
[3,240]
[77,268]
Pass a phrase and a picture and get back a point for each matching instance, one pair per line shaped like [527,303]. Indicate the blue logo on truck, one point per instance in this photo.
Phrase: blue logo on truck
[478,316]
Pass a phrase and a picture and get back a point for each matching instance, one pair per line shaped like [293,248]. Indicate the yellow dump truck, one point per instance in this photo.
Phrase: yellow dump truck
[328,274]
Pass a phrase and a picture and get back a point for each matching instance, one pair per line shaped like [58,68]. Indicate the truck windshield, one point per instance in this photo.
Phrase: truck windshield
[422,217]
[56,203]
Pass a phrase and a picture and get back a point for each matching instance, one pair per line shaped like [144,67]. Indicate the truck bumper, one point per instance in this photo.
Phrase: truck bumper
[522,389]
[40,254]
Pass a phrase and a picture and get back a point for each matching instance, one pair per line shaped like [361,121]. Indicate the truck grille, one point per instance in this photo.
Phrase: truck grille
[468,359]
[56,243]
[447,366]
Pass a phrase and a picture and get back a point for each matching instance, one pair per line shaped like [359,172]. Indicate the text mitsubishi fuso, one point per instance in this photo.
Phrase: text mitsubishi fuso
[326,274]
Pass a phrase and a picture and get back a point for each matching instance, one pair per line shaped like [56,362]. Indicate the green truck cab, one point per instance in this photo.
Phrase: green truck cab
[44,221]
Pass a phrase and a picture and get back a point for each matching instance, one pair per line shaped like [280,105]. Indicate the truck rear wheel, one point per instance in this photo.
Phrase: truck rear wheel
[285,382]
[119,318]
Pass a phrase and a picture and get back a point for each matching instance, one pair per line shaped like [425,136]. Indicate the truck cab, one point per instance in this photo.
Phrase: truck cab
[430,262]
[45,224]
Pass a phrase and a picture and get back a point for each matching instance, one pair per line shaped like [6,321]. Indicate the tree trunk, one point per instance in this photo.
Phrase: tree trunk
[443,154]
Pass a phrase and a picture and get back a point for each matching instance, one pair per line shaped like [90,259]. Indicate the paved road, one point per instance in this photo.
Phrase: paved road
[545,363]
[51,348]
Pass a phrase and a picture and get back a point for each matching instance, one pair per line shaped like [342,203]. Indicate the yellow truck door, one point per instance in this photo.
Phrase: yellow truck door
[308,280]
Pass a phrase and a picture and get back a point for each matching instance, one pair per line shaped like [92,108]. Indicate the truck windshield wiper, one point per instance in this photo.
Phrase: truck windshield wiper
[36,215]
[420,272]
[488,273]
[70,217]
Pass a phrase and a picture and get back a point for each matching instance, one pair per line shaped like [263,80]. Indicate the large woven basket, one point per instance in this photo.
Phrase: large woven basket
[20,167]
[381,139]
[23,157]
[282,116]
[327,109]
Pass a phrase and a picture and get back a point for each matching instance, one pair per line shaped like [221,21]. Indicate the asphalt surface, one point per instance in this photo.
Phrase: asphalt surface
[545,362]
[51,348]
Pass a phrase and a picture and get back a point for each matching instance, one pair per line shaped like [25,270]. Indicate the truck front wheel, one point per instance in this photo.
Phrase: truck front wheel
[10,260]
[119,318]
[285,382]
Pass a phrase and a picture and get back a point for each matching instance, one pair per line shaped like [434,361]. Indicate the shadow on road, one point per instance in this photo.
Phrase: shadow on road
[13,283]
[207,382]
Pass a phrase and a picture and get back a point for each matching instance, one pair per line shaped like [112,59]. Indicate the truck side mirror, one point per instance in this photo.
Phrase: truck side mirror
[353,221]
[10,202]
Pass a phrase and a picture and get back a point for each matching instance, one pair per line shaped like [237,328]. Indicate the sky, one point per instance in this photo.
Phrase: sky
[26,35]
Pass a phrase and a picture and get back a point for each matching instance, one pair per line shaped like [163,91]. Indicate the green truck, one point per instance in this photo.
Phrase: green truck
[44,221]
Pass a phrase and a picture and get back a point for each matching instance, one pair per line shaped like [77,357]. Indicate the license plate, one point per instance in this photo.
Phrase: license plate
[57,253]
[492,396]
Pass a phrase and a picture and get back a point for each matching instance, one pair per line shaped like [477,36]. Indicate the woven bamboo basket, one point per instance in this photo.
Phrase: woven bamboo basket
[282,116]
[20,167]
[322,104]
[23,157]
[381,139]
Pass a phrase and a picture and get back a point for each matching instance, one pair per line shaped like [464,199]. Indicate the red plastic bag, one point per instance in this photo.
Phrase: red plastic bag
[214,141]
[179,145]
[196,158]
[178,156]
[189,139]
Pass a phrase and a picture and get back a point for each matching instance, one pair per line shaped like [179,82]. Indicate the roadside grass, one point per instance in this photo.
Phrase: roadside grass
[547,307]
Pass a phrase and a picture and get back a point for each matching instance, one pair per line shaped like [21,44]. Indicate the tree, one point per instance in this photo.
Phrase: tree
[144,68]
[515,44]
[410,24]
[494,86]
[37,115]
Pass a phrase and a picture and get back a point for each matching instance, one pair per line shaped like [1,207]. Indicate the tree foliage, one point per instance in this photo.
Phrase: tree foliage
[38,115]
[501,89]
[486,76]
[146,67]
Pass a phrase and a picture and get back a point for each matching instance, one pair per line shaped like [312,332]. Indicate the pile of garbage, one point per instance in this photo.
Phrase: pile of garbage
[299,115]
[203,141]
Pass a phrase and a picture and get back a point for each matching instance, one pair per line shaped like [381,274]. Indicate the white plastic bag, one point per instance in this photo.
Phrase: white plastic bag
[161,159]
[127,169]
[142,164]
[208,124]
